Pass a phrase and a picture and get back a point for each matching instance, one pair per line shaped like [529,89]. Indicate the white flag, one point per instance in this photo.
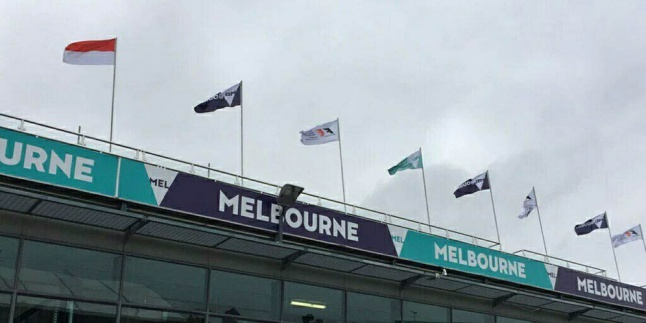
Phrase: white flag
[321,134]
[528,205]
[632,234]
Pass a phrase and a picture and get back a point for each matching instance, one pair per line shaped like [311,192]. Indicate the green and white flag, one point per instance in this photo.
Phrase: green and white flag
[413,161]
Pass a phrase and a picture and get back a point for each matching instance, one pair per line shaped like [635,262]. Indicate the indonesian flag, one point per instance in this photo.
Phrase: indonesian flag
[91,52]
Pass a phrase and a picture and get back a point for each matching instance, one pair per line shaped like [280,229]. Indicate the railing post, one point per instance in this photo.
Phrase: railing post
[319,203]
[21,127]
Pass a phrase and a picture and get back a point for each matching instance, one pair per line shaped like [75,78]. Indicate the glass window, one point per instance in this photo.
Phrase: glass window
[471,317]
[312,304]
[417,312]
[136,315]
[42,310]
[55,269]
[164,284]
[8,253]
[367,308]
[5,304]
[500,319]
[246,296]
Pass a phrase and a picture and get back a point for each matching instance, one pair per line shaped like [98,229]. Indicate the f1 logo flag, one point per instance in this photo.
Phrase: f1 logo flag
[321,134]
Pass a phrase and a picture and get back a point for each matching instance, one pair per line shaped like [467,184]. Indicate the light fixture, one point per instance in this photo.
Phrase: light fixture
[286,198]
[309,304]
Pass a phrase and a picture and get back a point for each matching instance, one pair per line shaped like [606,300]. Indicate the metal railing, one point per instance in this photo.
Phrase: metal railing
[117,149]
[562,262]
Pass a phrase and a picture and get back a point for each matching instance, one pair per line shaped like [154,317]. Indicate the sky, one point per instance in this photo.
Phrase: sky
[544,94]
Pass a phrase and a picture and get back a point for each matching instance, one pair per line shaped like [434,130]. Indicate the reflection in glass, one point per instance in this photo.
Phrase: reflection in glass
[42,310]
[158,283]
[501,319]
[8,253]
[471,317]
[417,312]
[312,304]
[136,315]
[368,308]
[5,303]
[244,295]
[60,270]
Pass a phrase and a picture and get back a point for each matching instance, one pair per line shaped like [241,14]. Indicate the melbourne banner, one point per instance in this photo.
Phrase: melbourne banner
[599,288]
[29,157]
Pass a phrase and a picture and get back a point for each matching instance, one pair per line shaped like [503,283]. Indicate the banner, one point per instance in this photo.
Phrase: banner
[47,161]
[599,288]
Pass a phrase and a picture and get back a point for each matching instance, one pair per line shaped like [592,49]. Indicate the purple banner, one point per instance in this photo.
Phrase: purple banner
[234,204]
[599,288]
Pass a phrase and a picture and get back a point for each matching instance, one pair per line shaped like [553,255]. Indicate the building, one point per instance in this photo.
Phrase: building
[91,236]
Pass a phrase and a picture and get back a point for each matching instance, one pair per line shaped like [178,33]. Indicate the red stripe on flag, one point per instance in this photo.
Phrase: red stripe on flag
[107,45]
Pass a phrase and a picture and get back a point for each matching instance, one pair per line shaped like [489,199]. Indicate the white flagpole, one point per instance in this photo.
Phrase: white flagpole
[114,73]
[540,223]
[640,229]
[341,160]
[241,138]
[428,213]
[493,207]
[613,249]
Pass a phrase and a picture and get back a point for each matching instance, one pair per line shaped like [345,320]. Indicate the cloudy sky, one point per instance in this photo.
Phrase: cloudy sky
[545,94]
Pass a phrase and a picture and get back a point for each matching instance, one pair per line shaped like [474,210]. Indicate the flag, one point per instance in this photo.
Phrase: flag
[472,185]
[632,234]
[321,134]
[414,161]
[598,222]
[230,97]
[528,205]
[91,52]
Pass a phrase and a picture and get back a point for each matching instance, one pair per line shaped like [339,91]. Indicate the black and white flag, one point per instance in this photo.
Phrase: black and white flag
[230,97]
[528,205]
[598,222]
[472,185]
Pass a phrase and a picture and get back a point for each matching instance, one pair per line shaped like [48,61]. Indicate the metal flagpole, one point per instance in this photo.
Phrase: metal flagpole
[428,213]
[241,138]
[640,229]
[538,210]
[341,160]
[613,250]
[493,207]
[114,73]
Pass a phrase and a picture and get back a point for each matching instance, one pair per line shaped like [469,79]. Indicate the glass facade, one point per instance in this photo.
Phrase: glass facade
[57,283]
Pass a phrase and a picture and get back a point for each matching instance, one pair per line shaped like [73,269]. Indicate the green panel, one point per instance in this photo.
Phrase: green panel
[48,161]
[472,259]
[134,183]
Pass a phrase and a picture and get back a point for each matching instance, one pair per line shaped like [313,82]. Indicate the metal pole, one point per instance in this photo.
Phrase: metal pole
[241,138]
[428,213]
[613,252]
[540,223]
[78,138]
[208,170]
[640,229]
[341,160]
[493,207]
[114,74]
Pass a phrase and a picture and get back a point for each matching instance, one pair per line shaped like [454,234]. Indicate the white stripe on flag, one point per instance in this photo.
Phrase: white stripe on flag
[89,58]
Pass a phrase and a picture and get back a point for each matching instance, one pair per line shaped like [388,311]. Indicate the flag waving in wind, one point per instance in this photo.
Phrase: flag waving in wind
[321,134]
[472,185]
[414,161]
[528,205]
[230,97]
[632,234]
[598,222]
[91,52]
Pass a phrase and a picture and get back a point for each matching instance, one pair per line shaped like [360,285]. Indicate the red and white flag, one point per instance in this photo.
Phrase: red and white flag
[91,52]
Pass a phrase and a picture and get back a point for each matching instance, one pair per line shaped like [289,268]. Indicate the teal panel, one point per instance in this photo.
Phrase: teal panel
[134,183]
[472,259]
[53,162]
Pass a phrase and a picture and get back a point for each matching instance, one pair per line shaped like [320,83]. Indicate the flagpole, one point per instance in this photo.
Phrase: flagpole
[241,137]
[642,231]
[493,207]
[538,210]
[428,213]
[613,251]
[341,160]
[114,73]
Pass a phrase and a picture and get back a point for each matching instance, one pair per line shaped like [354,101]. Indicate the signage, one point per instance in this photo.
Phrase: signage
[30,157]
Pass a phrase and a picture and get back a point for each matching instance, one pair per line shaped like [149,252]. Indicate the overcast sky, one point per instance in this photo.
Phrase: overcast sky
[548,94]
